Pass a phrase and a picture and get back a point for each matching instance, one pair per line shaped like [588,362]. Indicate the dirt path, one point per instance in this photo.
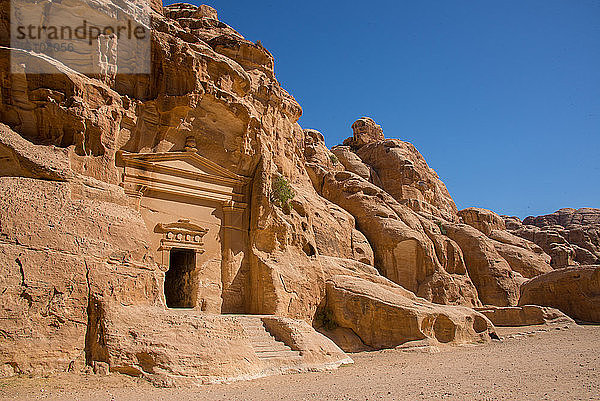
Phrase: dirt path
[554,365]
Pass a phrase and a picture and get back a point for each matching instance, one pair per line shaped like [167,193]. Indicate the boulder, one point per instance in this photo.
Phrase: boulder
[482,219]
[364,131]
[383,318]
[575,291]
[527,315]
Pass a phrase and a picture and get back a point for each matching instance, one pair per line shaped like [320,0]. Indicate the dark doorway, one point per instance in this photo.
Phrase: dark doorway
[180,282]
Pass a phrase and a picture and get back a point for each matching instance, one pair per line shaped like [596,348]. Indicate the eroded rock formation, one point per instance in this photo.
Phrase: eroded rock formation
[569,236]
[372,312]
[527,315]
[141,209]
[575,291]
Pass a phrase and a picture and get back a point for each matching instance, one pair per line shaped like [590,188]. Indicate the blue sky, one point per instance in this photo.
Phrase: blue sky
[501,97]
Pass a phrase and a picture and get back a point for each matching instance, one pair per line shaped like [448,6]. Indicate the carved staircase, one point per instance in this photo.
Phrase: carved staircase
[264,344]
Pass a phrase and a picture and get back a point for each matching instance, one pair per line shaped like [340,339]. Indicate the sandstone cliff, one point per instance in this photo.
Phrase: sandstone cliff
[191,194]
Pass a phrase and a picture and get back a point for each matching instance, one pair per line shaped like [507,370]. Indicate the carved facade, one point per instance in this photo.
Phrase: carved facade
[197,215]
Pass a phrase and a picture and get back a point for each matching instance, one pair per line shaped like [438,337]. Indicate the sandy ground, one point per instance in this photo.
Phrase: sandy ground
[557,364]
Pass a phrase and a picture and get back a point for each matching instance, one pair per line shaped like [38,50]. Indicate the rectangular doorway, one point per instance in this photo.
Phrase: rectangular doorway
[181,283]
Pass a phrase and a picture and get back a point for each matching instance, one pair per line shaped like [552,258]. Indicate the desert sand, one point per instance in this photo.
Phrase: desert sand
[534,363]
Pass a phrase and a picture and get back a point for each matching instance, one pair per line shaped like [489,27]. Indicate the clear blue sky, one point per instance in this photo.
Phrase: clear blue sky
[501,97]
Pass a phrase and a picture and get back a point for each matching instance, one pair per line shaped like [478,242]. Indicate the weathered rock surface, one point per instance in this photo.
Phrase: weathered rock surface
[409,249]
[484,220]
[523,261]
[527,315]
[56,248]
[178,347]
[364,131]
[21,159]
[383,318]
[523,256]
[492,275]
[569,236]
[404,174]
[575,291]
[566,217]
[403,249]
[124,197]
[353,163]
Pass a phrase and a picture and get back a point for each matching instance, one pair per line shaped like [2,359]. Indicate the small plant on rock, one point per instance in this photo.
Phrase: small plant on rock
[282,192]
[324,318]
[441,226]
[334,159]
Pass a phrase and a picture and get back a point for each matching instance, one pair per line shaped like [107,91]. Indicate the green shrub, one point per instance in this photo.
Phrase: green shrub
[324,318]
[442,229]
[282,191]
[334,159]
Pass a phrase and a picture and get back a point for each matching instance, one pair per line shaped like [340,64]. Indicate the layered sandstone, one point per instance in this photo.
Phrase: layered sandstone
[415,229]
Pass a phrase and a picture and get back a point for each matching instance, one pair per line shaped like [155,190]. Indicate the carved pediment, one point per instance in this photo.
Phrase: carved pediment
[183,163]
[183,173]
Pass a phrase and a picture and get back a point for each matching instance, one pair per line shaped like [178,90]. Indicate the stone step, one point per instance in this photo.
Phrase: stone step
[254,329]
[278,354]
[261,337]
[278,346]
[263,342]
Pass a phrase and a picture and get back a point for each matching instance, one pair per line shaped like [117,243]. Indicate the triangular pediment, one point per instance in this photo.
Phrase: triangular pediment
[182,164]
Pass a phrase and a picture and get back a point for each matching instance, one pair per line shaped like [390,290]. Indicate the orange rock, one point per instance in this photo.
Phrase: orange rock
[383,318]
[575,291]
[527,315]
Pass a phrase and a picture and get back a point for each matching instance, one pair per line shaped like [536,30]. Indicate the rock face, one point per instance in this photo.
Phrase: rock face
[404,252]
[575,291]
[406,213]
[187,205]
[495,281]
[569,236]
[58,246]
[524,257]
[484,220]
[115,177]
[404,174]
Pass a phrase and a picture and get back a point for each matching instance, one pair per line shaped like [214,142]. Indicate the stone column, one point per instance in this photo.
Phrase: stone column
[234,246]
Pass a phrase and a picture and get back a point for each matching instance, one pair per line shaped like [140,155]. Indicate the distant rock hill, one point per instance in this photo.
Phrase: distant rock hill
[569,236]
